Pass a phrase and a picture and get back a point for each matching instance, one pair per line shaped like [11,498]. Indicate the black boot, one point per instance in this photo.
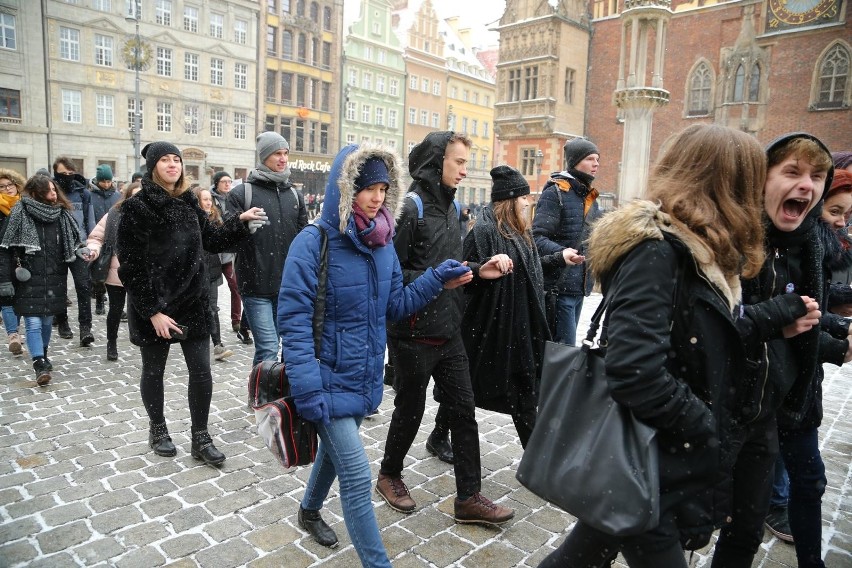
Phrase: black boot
[112,350]
[203,448]
[440,446]
[160,441]
[41,371]
[312,522]
[65,329]
[86,337]
[99,305]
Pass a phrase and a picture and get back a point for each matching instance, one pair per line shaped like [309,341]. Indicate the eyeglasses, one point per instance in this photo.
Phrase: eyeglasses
[9,187]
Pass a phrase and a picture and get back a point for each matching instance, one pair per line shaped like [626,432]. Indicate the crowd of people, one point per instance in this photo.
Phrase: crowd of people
[727,289]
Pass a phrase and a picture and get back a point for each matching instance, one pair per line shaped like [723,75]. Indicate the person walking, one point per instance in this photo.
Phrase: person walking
[104,194]
[429,343]
[566,210]
[160,244]
[11,184]
[103,234]
[40,240]
[504,326]
[73,186]
[260,258]
[337,387]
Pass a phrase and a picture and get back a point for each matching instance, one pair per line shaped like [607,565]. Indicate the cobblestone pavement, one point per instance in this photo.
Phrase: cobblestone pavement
[80,487]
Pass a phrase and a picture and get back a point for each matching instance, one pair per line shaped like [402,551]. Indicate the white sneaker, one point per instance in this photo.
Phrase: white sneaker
[220,353]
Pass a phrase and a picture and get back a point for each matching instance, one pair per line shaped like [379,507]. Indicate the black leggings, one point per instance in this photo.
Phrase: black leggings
[196,353]
[117,295]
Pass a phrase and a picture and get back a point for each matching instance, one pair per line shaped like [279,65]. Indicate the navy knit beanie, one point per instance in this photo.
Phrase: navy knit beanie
[373,171]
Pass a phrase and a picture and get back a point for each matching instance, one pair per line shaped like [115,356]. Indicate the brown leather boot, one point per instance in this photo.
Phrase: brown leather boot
[479,509]
[395,493]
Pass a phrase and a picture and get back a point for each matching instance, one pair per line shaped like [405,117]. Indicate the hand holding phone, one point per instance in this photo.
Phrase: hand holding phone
[179,335]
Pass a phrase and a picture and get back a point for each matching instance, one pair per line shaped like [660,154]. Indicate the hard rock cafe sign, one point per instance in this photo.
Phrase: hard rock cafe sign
[302,165]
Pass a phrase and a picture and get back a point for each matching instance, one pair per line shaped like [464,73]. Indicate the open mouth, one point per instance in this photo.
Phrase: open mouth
[795,207]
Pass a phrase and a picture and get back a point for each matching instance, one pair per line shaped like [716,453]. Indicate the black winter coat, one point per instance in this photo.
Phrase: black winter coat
[260,258]
[160,246]
[44,293]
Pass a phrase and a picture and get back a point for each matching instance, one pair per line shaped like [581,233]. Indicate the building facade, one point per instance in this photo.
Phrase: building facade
[374,72]
[301,83]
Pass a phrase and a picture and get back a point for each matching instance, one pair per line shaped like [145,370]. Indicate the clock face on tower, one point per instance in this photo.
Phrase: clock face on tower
[790,14]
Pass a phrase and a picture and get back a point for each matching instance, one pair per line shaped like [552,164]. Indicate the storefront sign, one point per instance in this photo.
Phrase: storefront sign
[299,165]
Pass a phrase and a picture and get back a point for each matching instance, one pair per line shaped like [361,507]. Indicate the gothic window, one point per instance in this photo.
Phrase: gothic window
[700,90]
[739,80]
[746,87]
[754,84]
[833,86]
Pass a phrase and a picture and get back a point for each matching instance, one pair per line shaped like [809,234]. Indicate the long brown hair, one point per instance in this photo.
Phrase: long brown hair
[181,185]
[509,223]
[38,187]
[213,215]
[126,193]
[710,180]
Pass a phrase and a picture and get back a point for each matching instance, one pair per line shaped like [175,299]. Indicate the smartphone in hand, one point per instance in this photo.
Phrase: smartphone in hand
[179,335]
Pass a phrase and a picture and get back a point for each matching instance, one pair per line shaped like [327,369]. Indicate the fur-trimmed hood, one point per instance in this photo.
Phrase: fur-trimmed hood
[340,189]
[618,232]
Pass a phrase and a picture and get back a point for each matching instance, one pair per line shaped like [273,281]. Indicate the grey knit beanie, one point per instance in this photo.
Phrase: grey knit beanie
[268,143]
[577,149]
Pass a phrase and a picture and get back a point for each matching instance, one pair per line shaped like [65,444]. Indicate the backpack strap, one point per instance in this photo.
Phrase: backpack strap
[247,198]
[458,208]
[418,201]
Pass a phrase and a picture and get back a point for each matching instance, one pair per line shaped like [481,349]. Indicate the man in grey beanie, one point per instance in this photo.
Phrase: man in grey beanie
[260,258]
[566,209]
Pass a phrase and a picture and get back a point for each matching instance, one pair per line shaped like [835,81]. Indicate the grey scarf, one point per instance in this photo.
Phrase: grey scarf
[21,230]
[263,173]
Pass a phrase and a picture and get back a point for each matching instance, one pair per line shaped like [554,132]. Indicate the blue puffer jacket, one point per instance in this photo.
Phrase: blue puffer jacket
[364,288]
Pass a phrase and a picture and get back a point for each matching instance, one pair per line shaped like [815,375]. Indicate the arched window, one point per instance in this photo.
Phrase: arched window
[700,89]
[326,18]
[303,49]
[754,84]
[315,12]
[300,7]
[833,78]
[739,82]
[286,45]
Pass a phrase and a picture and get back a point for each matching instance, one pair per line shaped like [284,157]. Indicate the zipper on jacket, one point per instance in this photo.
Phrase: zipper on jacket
[775,257]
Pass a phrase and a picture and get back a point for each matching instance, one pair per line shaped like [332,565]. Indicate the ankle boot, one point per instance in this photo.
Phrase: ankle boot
[203,448]
[312,522]
[41,371]
[112,350]
[86,337]
[160,441]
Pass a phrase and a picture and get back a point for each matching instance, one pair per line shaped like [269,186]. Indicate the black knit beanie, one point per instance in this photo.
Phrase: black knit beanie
[155,150]
[507,183]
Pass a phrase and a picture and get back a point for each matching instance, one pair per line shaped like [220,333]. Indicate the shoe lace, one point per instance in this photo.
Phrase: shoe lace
[398,486]
[480,499]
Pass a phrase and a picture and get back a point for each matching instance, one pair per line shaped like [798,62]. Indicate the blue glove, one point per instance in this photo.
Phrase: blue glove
[450,269]
[312,407]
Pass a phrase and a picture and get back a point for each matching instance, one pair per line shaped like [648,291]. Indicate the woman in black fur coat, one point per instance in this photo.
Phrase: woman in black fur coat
[162,236]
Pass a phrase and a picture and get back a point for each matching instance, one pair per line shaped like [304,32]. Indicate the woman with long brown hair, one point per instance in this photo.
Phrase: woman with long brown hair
[40,238]
[161,240]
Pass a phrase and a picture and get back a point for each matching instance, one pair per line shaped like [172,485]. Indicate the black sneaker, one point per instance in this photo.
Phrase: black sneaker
[779,525]
[244,336]
[65,330]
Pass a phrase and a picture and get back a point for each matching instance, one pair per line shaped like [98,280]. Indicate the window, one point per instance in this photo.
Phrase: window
[302,53]
[393,88]
[350,110]
[132,8]
[271,84]
[217,25]
[391,143]
[740,80]
[315,51]
[475,98]
[531,82]
[105,110]
[326,19]
[164,62]
[102,5]
[436,88]
[528,161]
[465,95]
[131,112]
[472,161]
[270,6]
[570,85]
[424,85]
[325,105]
[412,82]
[271,40]
[217,123]
[424,118]
[366,111]
[382,57]
[10,104]
[287,45]
[353,77]
[269,123]
[287,88]
[190,119]
[164,117]
[367,81]
[190,19]
[240,31]
[380,116]
[163,12]
[454,93]
[380,84]
[69,44]
[464,124]
[314,12]
[240,121]
[217,72]
[190,67]
[412,115]
[350,138]
[326,55]
[103,50]
[240,76]
[833,78]
[286,129]
[72,106]
[285,9]
[485,130]
[487,100]
[436,120]
[392,118]
[377,28]
[323,139]
[368,53]
[300,136]
[474,128]
[514,85]
[699,91]
[8,35]
[301,90]
[754,84]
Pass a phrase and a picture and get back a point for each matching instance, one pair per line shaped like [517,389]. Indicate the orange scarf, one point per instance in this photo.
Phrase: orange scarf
[7,202]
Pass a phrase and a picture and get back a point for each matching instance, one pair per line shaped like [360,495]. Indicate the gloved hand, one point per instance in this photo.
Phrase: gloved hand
[7,289]
[255,224]
[450,269]
[83,253]
[312,407]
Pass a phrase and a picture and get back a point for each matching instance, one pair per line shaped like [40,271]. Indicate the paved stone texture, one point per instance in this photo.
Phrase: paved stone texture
[80,487]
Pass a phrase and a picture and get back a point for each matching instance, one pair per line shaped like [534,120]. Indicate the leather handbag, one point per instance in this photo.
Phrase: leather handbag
[588,455]
[99,268]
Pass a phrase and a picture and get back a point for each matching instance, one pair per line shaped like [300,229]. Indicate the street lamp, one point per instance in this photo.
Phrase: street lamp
[137,48]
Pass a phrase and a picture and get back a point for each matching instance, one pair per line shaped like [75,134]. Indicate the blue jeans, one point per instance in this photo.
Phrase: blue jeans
[780,485]
[568,308]
[11,321]
[800,450]
[38,334]
[341,454]
[262,317]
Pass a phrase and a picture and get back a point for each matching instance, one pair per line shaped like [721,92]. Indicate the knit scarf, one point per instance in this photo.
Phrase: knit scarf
[7,202]
[263,173]
[375,232]
[21,229]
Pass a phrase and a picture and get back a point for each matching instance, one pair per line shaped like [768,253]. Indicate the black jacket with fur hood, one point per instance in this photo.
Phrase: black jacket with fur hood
[160,245]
